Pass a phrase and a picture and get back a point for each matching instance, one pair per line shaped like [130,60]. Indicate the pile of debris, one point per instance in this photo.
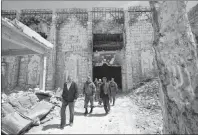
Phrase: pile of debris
[31,108]
[147,96]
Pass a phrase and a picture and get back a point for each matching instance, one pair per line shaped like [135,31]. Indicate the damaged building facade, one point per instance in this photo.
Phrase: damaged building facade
[107,42]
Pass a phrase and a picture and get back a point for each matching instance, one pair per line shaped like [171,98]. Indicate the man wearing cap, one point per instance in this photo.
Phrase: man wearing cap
[114,89]
[89,90]
[105,94]
[69,97]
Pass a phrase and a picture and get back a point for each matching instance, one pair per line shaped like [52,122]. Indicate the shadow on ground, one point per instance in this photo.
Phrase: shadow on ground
[97,115]
[100,106]
[51,126]
[79,113]
[89,115]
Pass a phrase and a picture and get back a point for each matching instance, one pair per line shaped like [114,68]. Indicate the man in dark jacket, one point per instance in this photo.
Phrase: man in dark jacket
[105,94]
[69,96]
[89,90]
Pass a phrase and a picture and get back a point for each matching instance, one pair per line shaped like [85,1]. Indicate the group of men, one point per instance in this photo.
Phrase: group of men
[101,91]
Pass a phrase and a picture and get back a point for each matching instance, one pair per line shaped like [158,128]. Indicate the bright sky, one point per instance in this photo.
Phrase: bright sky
[18,5]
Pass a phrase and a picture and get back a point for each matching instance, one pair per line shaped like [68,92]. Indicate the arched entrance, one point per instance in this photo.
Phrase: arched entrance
[109,72]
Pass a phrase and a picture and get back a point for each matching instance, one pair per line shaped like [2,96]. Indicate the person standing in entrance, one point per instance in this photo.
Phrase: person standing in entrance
[69,97]
[97,89]
[89,90]
[99,84]
[114,89]
[105,95]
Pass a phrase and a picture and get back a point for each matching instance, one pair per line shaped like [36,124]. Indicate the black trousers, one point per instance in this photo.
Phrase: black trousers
[106,103]
[63,113]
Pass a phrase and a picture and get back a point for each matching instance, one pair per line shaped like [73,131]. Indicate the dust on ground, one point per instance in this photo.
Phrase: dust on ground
[128,116]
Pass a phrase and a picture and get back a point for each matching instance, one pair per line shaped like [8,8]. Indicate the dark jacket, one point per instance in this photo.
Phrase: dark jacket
[71,94]
[102,95]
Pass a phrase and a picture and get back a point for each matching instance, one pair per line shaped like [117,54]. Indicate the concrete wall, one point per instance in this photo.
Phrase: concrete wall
[9,73]
[178,67]
[29,71]
[74,56]
[72,52]
[139,53]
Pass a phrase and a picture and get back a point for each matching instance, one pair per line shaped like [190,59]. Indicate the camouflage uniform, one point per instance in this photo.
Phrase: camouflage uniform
[89,90]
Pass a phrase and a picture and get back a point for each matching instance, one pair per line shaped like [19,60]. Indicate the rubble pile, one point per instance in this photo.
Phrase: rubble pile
[55,99]
[26,107]
[4,97]
[55,113]
[147,96]
[149,112]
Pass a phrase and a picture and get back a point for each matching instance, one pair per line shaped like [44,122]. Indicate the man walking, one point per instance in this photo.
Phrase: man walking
[105,94]
[97,96]
[114,89]
[99,84]
[69,96]
[89,90]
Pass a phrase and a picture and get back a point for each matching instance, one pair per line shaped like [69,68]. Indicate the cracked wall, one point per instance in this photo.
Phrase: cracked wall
[139,55]
[9,73]
[178,69]
[74,55]
[72,37]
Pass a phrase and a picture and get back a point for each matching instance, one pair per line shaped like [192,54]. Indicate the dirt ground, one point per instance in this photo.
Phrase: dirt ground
[125,118]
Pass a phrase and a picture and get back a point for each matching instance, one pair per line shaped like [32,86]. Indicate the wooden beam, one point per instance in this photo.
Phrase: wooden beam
[20,52]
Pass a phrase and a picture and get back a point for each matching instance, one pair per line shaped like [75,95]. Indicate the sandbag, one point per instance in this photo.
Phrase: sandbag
[13,123]
[33,98]
[17,106]
[6,109]
[40,110]
[25,101]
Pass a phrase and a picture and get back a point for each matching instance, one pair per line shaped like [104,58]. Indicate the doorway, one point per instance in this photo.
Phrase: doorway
[108,72]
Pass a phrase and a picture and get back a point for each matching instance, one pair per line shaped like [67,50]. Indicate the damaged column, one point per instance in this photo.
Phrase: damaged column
[43,66]
[90,43]
[127,71]
[128,64]
[51,61]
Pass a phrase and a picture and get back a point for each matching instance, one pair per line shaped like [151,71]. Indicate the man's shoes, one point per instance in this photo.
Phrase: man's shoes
[71,124]
[62,127]
[106,112]
[85,112]
[91,110]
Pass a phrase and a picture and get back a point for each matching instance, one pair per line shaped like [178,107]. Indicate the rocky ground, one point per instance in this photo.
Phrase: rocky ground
[132,114]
